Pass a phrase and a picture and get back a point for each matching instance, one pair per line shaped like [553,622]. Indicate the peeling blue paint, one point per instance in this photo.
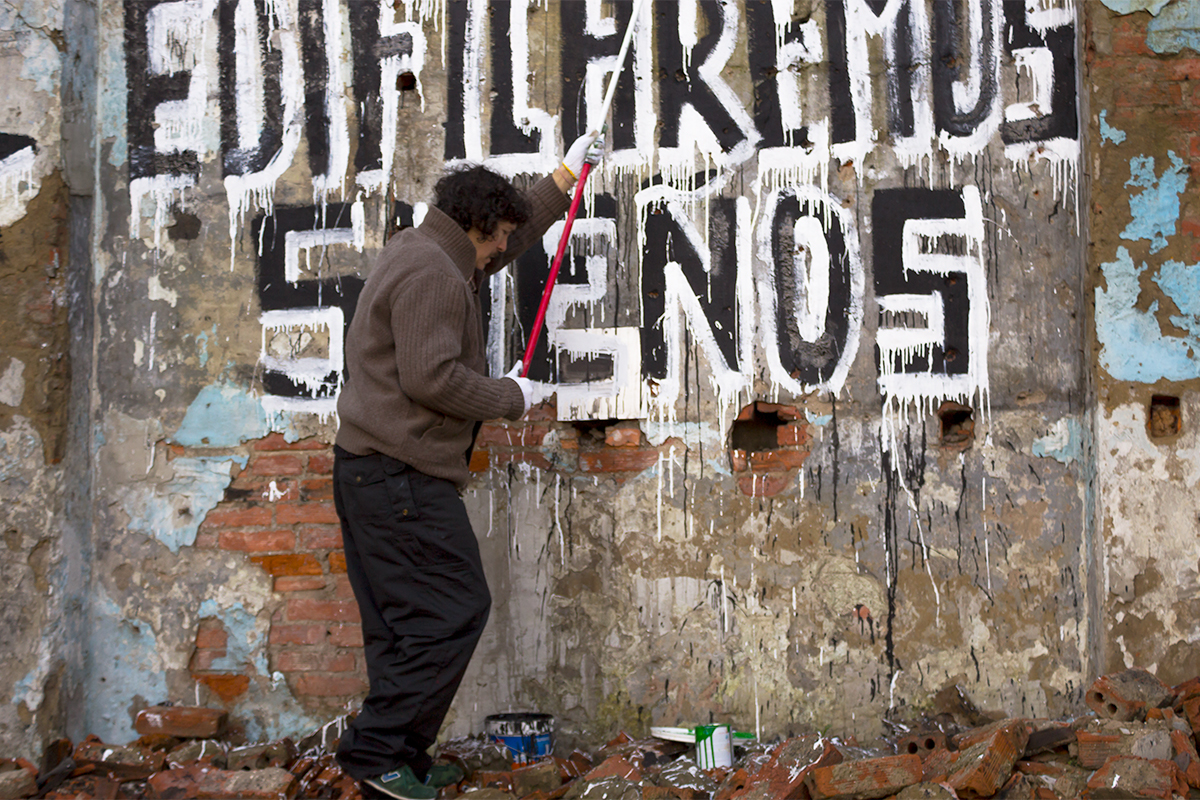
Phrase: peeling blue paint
[244,645]
[1129,6]
[124,664]
[820,420]
[1108,132]
[1063,442]
[202,345]
[1176,28]
[1156,210]
[222,415]
[1132,344]
[172,512]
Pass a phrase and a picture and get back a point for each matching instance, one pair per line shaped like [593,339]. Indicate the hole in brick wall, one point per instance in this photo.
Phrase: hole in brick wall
[756,431]
[957,423]
[590,430]
[1164,419]
[406,81]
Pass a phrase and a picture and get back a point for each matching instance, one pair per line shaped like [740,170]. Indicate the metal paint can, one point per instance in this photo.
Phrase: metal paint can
[714,746]
[528,737]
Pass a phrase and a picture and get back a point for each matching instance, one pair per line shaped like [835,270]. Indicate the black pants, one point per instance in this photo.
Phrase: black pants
[413,562]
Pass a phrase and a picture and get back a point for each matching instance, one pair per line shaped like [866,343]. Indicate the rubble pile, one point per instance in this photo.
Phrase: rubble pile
[1140,741]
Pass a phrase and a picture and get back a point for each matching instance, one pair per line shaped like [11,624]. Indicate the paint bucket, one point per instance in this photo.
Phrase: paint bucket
[714,746]
[528,737]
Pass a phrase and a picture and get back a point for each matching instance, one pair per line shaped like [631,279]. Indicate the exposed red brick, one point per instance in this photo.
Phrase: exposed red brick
[1130,44]
[310,660]
[872,777]
[315,685]
[617,459]
[625,434]
[203,660]
[332,610]
[317,489]
[479,460]
[257,541]
[794,434]
[342,589]
[128,762]
[315,513]
[226,686]
[205,783]
[299,583]
[320,464]
[252,517]
[320,537]
[337,561]
[211,633]
[206,540]
[922,744]
[346,635]
[777,460]
[289,564]
[516,435]
[276,441]
[764,484]
[615,766]
[521,457]
[277,465]
[283,633]
[183,722]
[1186,757]
[18,778]
[785,773]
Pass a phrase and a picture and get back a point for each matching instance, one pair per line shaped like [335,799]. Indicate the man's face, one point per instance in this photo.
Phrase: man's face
[488,247]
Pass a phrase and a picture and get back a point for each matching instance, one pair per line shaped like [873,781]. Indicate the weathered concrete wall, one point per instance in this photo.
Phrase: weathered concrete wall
[35,374]
[1144,274]
[818,435]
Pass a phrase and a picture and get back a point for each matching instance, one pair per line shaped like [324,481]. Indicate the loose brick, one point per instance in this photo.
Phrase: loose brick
[316,685]
[292,513]
[289,564]
[278,465]
[337,561]
[257,541]
[784,775]
[1127,695]
[226,686]
[868,778]
[922,744]
[276,441]
[282,633]
[299,583]
[252,517]
[1140,777]
[982,769]
[123,762]
[204,783]
[1105,738]
[1186,757]
[183,722]
[18,778]
[617,459]
[541,776]
[299,609]
[615,766]
[346,635]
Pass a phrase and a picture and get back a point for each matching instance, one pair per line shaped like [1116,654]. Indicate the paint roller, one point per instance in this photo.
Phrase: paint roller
[540,319]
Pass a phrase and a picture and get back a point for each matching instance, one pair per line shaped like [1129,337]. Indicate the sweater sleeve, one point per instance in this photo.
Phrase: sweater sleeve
[429,312]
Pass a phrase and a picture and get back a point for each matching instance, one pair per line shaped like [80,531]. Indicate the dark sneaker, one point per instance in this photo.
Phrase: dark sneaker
[401,784]
[444,773]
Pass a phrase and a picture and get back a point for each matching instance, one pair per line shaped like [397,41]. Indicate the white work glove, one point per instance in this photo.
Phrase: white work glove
[526,385]
[589,148]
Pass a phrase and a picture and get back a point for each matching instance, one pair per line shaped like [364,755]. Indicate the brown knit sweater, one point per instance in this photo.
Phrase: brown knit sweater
[415,367]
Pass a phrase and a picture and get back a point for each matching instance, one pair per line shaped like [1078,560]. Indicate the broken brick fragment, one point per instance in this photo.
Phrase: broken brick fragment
[1134,777]
[783,776]
[18,778]
[938,765]
[261,756]
[614,766]
[1104,738]
[541,776]
[984,767]
[1127,695]
[120,761]
[92,787]
[733,784]
[204,783]
[868,778]
[1049,737]
[1185,757]
[183,722]
[922,744]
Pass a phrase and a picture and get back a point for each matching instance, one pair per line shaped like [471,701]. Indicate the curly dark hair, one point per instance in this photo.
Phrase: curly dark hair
[476,197]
